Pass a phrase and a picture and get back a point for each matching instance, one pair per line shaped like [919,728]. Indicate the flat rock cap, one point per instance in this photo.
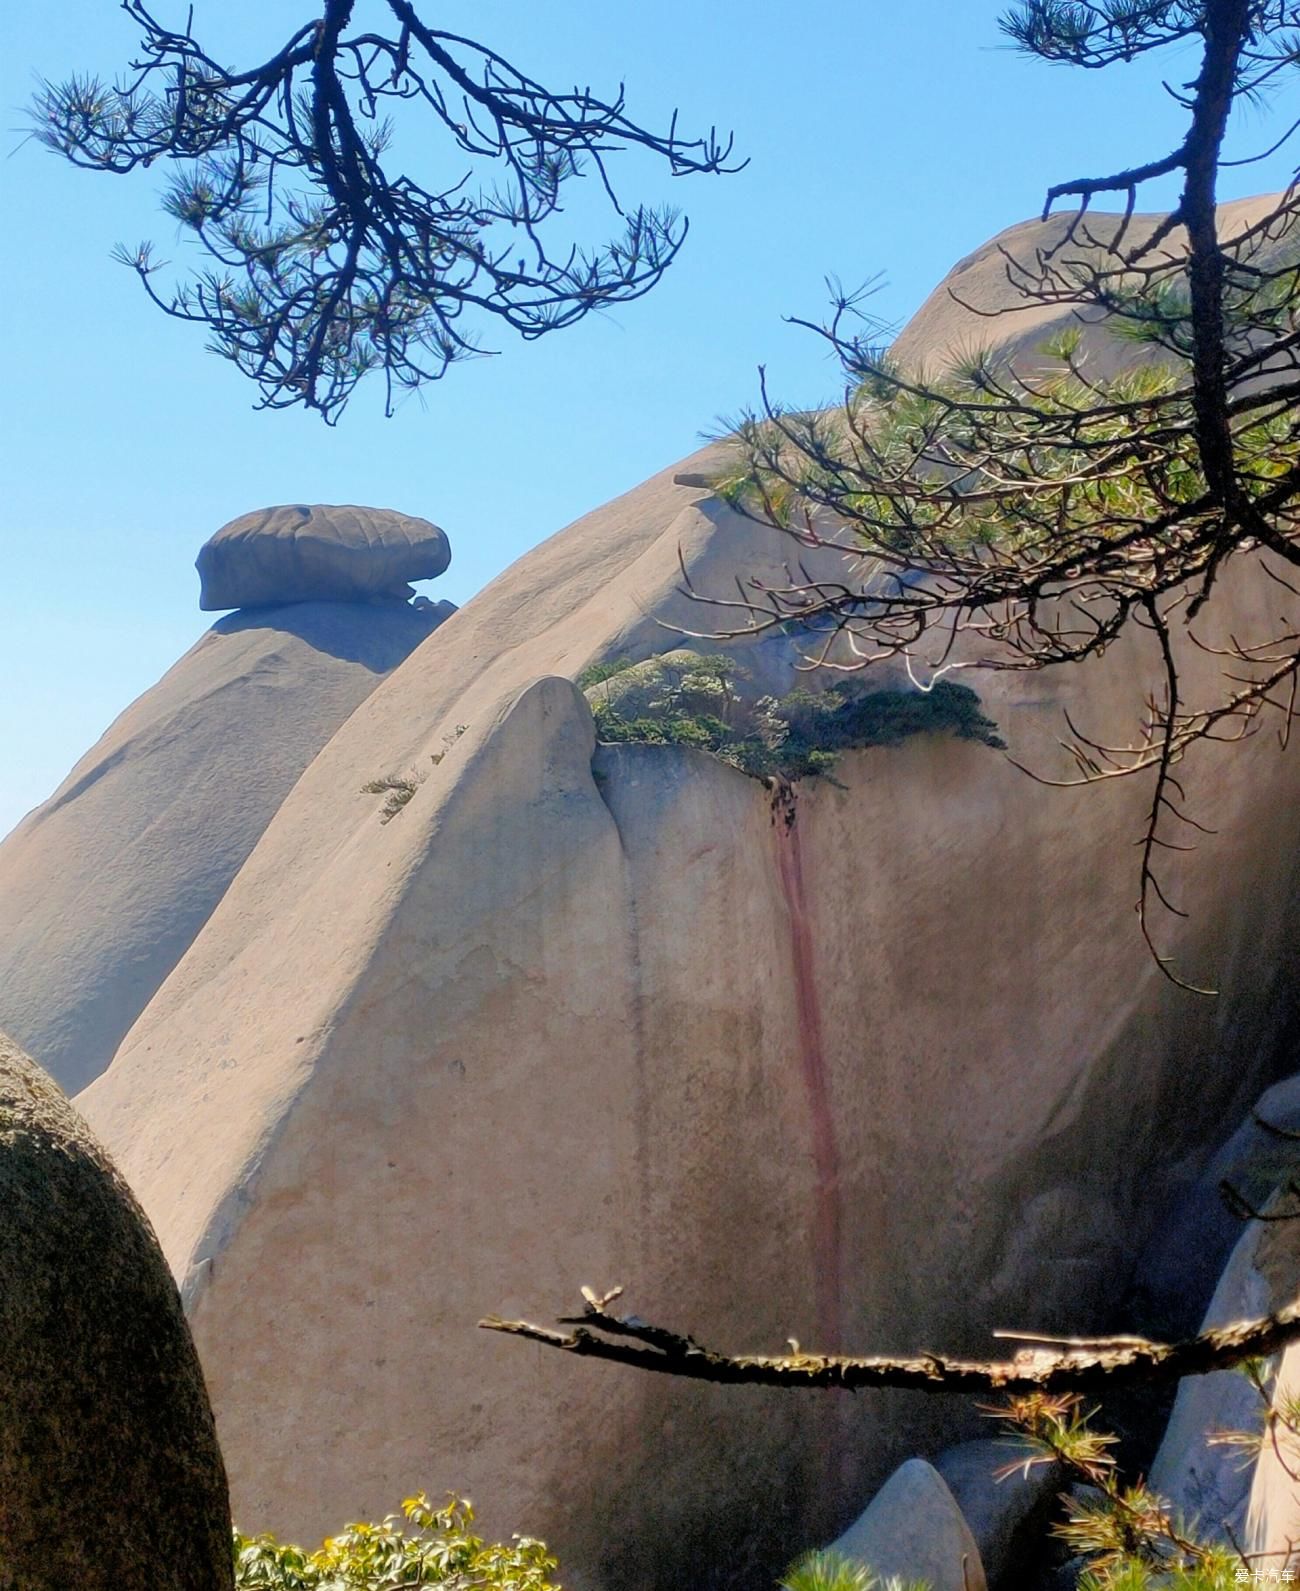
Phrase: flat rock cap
[317,552]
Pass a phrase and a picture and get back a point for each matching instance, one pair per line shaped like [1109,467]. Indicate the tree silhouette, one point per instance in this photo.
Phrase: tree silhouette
[328,262]
[1020,513]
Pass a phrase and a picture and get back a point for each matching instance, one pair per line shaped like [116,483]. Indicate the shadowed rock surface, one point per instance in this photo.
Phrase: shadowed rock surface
[110,1474]
[318,553]
[107,882]
[1007,1513]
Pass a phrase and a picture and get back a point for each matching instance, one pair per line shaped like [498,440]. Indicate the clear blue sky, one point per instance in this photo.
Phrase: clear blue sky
[882,138]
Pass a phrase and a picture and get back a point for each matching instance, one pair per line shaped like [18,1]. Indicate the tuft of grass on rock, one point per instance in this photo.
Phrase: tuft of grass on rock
[397,790]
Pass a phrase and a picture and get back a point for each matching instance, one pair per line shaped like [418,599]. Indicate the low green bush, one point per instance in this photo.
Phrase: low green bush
[684,699]
[832,1571]
[427,1546]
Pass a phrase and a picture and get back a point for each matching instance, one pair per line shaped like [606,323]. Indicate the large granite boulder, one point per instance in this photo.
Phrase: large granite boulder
[106,884]
[110,1474]
[1186,1259]
[1212,1482]
[1272,1535]
[978,305]
[318,552]
[880,1064]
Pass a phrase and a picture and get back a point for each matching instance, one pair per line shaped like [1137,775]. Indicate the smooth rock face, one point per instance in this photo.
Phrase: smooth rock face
[110,1474]
[107,883]
[881,1066]
[952,322]
[1273,1510]
[1009,1514]
[1208,1482]
[915,1531]
[318,553]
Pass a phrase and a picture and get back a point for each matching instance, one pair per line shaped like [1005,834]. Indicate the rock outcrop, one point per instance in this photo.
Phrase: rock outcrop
[1008,1512]
[879,1063]
[1272,1534]
[1212,1482]
[106,884]
[1206,1480]
[914,1530]
[318,553]
[110,1474]
[977,305]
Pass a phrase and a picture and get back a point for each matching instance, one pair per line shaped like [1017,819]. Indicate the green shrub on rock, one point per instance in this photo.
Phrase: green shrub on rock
[684,699]
[431,1546]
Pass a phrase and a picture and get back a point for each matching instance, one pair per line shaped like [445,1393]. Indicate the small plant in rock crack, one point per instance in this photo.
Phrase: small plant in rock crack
[396,789]
[448,741]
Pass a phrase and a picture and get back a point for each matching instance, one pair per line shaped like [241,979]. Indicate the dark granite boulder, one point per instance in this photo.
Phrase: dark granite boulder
[110,1474]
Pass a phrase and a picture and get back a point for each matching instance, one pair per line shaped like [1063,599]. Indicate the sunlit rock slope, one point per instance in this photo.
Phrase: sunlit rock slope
[105,885]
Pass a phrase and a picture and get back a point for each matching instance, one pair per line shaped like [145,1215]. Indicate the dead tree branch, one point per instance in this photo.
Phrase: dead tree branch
[1086,1366]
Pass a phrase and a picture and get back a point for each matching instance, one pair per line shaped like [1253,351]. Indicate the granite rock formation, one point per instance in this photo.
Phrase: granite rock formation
[878,1063]
[106,883]
[914,1530]
[318,552]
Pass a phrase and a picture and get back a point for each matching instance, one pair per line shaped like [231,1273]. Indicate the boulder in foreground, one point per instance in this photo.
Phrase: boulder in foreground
[110,1474]
[914,1529]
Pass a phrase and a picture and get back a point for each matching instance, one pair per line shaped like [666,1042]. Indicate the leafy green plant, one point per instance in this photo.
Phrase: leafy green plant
[684,699]
[429,1546]
[598,673]
[832,1571]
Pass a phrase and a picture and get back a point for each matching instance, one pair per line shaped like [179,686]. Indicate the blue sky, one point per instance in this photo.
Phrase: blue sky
[882,138]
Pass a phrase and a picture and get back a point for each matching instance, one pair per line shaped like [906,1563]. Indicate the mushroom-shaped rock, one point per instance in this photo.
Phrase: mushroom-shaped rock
[320,552]
[913,1529]
[110,1474]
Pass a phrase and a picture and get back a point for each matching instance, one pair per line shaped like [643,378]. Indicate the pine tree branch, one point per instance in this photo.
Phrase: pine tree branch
[1087,1366]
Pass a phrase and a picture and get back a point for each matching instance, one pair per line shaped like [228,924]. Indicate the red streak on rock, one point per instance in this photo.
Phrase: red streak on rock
[812,1064]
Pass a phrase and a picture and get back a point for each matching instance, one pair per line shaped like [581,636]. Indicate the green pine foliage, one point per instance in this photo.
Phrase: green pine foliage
[1124,1537]
[832,1571]
[427,1546]
[684,699]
